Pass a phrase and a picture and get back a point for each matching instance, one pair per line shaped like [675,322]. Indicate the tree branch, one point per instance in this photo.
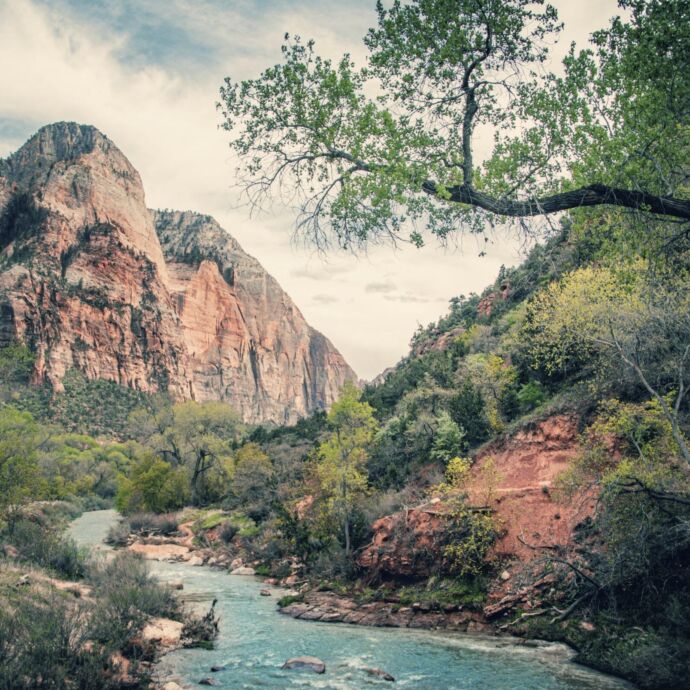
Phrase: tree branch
[592,195]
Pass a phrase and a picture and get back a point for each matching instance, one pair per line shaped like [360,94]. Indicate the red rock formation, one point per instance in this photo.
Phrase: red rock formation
[486,303]
[523,500]
[248,342]
[84,282]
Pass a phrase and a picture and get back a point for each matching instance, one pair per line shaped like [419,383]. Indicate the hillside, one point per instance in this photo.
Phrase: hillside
[88,285]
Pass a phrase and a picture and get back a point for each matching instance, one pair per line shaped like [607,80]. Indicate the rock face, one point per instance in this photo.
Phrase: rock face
[248,342]
[410,544]
[86,282]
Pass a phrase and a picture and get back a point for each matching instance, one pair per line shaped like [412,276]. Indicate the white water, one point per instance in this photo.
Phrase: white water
[255,640]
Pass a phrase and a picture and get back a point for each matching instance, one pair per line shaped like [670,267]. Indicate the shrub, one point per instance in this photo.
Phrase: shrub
[471,536]
[150,522]
[228,531]
[118,534]
[289,599]
[42,644]
[49,549]
[201,631]
[127,596]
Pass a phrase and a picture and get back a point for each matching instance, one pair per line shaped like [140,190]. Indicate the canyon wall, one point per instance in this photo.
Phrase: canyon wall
[92,280]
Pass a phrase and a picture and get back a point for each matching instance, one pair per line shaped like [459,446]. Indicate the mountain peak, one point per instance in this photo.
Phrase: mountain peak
[154,300]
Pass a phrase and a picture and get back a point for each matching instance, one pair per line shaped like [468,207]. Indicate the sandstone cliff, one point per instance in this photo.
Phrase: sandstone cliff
[248,343]
[85,281]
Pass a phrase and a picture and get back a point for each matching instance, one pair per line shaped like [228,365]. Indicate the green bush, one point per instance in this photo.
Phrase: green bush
[42,645]
[127,596]
[289,599]
[530,396]
[48,548]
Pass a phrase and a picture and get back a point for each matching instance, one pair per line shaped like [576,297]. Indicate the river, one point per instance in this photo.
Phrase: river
[255,640]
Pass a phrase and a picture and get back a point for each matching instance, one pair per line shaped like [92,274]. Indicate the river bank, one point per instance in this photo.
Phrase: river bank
[254,641]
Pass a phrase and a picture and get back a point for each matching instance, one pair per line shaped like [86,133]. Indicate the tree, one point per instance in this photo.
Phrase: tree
[370,151]
[448,439]
[599,317]
[469,533]
[196,436]
[153,485]
[468,410]
[342,457]
[253,480]
[16,364]
[20,440]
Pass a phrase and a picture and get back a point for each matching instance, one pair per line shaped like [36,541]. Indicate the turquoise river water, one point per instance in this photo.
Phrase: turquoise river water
[255,640]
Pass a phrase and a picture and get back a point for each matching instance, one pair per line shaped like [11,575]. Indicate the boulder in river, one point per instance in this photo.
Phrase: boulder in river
[380,673]
[216,669]
[243,570]
[310,663]
[208,681]
[264,592]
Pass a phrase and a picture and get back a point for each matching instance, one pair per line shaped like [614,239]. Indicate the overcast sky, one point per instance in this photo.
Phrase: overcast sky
[147,73]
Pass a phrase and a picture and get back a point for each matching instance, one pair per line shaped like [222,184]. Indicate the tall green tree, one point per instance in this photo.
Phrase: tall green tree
[196,436]
[253,480]
[343,455]
[20,439]
[372,151]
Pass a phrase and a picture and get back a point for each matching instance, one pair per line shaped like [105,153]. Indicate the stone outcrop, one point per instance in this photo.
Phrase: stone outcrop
[518,490]
[92,280]
[329,607]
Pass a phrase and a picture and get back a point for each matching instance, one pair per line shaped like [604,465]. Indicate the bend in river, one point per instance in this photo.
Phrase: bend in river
[255,640]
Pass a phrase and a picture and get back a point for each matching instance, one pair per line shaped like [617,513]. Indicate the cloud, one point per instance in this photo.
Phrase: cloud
[319,273]
[414,299]
[381,287]
[322,298]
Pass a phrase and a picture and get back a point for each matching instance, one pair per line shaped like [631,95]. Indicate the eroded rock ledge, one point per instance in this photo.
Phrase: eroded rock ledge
[329,607]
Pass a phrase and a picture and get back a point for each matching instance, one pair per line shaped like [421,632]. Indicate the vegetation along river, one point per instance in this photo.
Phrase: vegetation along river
[255,640]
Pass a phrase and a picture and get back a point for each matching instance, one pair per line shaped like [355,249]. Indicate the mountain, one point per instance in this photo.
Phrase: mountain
[158,301]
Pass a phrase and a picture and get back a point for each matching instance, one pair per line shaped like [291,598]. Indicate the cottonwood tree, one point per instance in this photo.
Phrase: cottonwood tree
[196,436]
[253,480]
[375,153]
[20,440]
[342,457]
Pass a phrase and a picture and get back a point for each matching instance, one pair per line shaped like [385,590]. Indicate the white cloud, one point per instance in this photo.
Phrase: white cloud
[62,65]
[381,287]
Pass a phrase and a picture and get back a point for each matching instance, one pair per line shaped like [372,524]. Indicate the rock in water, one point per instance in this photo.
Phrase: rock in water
[310,663]
[380,673]
[243,570]
[264,593]
[208,681]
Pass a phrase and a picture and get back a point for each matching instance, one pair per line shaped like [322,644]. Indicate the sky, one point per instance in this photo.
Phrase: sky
[147,74]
